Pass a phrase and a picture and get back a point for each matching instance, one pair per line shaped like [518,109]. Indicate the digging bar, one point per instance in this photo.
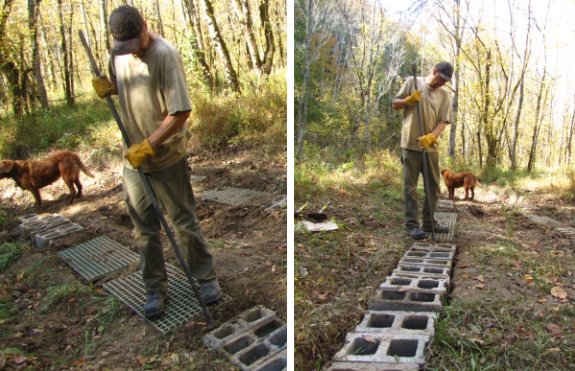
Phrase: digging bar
[425,158]
[150,192]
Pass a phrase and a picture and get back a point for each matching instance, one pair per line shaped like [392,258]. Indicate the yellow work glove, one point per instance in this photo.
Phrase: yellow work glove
[103,86]
[427,140]
[137,153]
[413,98]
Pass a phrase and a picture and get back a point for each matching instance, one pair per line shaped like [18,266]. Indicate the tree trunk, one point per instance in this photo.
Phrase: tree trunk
[66,55]
[268,59]
[33,13]
[160,23]
[220,45]
[569,138]
[303,100]
[244,15]
[197,44]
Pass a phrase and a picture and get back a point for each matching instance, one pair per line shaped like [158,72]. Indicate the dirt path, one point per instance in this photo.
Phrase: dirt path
[55,321]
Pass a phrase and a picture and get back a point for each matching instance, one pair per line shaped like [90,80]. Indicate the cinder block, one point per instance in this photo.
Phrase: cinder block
[416,283]
[373,366]
[426,262]
[422,269]
[232,329]
[398,322]
[44,239]
[406,300]
[429,254]
[41,224]
[428,246]
[423,276]
[257,346]
[383,348]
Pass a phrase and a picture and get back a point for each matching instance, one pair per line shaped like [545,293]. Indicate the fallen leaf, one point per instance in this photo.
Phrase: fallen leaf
[479,278]
[542,301]
[554,350]
[527,277]
[554,329]
[370,339]
[19,359]
[480,286]
[558,292]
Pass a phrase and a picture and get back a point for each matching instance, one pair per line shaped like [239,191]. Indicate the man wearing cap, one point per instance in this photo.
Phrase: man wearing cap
[436,114]
[147,74]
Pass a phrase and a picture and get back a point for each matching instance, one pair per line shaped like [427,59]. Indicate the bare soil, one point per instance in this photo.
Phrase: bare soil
[85,328]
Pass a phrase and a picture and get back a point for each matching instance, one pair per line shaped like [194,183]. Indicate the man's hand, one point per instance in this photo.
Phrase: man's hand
[137,153]
[413,98]
[103,86]
[427,140]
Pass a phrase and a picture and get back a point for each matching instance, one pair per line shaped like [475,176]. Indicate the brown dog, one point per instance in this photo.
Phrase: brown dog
[454,180]
[33,175]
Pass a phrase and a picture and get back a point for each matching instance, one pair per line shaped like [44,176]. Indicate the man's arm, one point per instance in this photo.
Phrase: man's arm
[439,128]
[171,125]
[398,104]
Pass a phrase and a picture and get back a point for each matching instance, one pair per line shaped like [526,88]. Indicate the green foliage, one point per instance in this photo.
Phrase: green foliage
[7,310]
[62,127]
[256,117]
[504,177]
[9,252]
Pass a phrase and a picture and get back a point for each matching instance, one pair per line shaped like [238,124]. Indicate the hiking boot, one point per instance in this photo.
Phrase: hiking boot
[210,291]
[437,228]
[416,233]
[155,304]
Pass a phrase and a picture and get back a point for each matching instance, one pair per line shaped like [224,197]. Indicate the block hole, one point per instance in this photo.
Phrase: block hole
[433,270]
[239,344]
[400,281]
[412,260]
[279,339]
[362,347]
[224,332]
[380,320]
[415,322]
[268,328]
[402,348]
[254,315]
[275,365]
[439,262]
[428,284]
[392,295]
[422,297]
[409,268]
[439,255]
[252,355]
[418,254]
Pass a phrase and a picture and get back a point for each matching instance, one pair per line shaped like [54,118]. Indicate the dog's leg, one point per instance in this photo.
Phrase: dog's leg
[466,193]
[70,185]
[79,186]
[37,196]
[472,193]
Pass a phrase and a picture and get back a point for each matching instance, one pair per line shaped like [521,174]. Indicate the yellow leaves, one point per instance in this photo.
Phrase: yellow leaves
[559,293]
[554,330]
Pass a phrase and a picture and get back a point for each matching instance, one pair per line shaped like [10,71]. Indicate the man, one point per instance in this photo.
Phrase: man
[147,74]
[435,105]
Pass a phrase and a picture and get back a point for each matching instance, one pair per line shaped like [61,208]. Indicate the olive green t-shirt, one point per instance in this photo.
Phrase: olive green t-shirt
[150,89]
[435,108]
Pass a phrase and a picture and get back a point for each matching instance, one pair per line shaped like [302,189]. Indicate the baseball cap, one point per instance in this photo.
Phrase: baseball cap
[445,70]
[126,23]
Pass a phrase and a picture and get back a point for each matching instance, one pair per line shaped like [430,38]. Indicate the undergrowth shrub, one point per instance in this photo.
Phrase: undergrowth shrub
[9,252]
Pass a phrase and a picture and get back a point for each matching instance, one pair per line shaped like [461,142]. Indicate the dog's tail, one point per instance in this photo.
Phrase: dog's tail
[84,168]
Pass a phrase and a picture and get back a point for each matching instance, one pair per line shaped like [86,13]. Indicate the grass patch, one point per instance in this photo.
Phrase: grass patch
[500,336]
[36,274]
[60,293]
[9,253]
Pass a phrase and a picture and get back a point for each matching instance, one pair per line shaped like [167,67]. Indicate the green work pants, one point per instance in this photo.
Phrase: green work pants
[413,166]
[175,196]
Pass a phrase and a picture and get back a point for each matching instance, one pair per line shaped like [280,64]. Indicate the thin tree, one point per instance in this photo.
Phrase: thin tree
[220,46]
[33,15]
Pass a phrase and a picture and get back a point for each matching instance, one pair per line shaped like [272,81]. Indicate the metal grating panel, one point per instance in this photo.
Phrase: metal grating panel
[445,204]
[448,219]
[98,258]
[181,305]
[230,195]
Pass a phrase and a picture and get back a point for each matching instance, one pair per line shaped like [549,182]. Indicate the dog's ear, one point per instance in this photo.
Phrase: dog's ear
[6,166]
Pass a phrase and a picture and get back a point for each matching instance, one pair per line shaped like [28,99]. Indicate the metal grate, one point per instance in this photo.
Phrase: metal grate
[448,219]
[181,305]
[230,195]
[98,258]
[445,204]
